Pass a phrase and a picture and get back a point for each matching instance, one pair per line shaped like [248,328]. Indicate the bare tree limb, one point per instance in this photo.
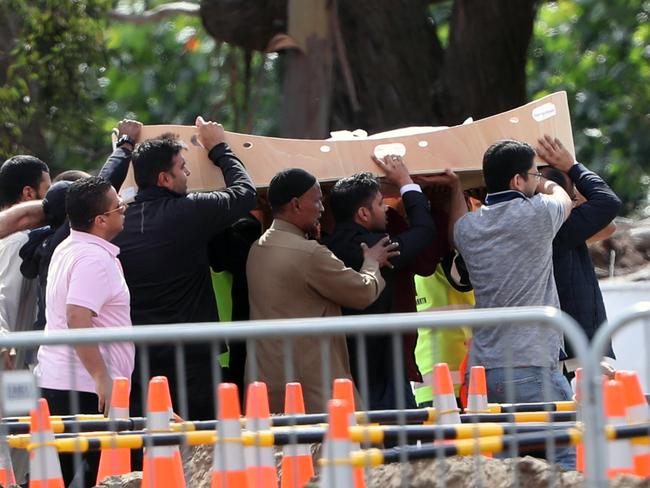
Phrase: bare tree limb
[159,13]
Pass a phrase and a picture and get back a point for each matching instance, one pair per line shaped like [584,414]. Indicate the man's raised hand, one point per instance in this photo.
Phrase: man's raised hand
[448,178]
[381,252]
[554,153]
[210,133]
[395,170]
[130,128]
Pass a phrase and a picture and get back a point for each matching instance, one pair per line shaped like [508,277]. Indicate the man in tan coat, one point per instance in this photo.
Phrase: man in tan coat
[291,276]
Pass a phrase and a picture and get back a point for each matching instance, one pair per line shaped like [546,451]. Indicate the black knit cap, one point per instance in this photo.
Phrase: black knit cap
[288,184]
[54,203]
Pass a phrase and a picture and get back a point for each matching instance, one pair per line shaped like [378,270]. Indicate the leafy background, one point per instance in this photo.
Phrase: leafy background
[68,73]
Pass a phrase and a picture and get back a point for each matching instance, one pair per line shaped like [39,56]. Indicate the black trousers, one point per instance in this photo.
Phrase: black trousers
[60,403]
[197,383]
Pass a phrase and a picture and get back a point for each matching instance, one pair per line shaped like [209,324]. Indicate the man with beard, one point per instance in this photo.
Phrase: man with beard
[291,276]
[164,252]
[360,214]
[22,179]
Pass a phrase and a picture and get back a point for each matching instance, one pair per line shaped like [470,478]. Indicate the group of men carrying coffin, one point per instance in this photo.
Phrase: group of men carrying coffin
[361,259]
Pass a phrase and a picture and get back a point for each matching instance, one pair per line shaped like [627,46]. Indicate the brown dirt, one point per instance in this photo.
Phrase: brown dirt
[458,472]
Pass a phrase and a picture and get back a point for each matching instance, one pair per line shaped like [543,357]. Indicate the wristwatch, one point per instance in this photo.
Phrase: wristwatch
[124,138]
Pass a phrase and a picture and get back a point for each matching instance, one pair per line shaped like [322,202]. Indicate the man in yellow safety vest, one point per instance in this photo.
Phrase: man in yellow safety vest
[448,288]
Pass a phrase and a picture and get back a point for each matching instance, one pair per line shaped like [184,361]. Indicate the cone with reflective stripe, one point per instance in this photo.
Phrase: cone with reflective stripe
[444,400]
[7,477]
[619,452]
[297,463]
[228,465]
[336,468]
[162,465]
[477,401]
[113,461]
[343,389]
[44,466]
[477,397]
[260,461]
[637,412]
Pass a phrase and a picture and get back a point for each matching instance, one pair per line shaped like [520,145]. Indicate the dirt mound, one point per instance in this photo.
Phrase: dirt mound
[626,253]
[458,472]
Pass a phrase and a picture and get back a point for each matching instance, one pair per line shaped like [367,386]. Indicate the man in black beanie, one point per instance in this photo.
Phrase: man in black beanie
[291,276]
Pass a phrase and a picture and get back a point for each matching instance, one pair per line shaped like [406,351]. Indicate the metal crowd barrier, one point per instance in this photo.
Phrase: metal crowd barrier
[361,327]
[596,469]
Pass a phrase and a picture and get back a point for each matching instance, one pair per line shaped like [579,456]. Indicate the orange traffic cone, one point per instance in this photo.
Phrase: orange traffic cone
[115,461]
[297,463]
[7,477]
[228,465]
[162,466]
[477,397]
[343,389]
[337,469]
[260,461]
[44,466]
[637,412]
[619,452]
[444,400]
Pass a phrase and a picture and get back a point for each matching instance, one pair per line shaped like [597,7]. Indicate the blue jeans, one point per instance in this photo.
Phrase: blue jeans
[531,384]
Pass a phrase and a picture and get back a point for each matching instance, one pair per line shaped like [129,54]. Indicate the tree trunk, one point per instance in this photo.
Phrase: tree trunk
[390,68]
[394,55]
[485,63]
[308,77]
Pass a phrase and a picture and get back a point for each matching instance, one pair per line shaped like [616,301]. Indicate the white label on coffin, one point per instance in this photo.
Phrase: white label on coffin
[544,112]
[383,150]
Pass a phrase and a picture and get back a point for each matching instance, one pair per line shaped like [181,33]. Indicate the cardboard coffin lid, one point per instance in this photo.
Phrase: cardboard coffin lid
[426,150]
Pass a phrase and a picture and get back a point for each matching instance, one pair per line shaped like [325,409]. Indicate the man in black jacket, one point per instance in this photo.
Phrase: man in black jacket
[37,252]
[360,214]
[164,252]
[575,278]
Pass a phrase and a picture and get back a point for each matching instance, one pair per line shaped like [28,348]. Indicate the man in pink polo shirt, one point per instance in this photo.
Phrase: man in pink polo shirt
[86,288]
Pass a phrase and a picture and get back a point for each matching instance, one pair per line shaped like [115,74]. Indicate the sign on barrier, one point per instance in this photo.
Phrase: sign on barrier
[18,392]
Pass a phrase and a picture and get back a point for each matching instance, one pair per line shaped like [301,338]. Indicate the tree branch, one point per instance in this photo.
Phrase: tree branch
[159,13]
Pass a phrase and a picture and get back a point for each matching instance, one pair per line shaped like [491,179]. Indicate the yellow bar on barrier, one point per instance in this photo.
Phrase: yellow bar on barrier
[565,406]
[468,447]
[53,418]
[372,433]
[367,458]
[468,431]
[532,416]
[560,406]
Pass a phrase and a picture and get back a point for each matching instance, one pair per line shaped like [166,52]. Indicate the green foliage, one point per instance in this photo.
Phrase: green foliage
[599,52]
[172,71]
[74,76]
[55,60]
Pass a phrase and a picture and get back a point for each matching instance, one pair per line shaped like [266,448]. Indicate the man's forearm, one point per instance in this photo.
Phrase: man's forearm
[90,356]
[555,191]
[116,167]
[457,209]
[23,216]
[92,360]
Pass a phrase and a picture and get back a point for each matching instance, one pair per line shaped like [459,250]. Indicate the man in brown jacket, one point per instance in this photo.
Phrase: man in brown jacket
[291,276]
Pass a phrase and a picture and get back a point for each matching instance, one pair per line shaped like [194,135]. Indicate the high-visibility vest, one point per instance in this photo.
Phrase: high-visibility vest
[439,346]
[222,287]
